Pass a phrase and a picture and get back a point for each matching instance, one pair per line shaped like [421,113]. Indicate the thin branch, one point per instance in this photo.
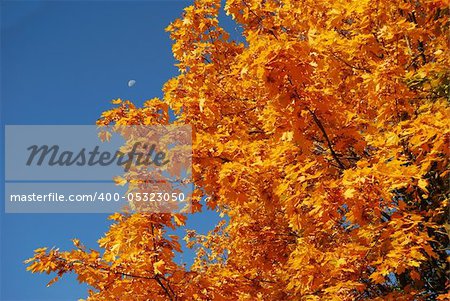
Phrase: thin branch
[325,135]
[271,31]
[322,129]
[163,287]
[105,269]
[156,276]
[350,65]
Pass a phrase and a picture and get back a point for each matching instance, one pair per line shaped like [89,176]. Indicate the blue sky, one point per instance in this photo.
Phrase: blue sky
[61,63]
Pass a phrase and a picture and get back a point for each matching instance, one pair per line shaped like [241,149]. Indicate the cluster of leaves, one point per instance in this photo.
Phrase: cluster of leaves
[324,138]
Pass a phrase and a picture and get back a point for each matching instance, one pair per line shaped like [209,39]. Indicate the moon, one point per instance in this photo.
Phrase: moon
[131,83]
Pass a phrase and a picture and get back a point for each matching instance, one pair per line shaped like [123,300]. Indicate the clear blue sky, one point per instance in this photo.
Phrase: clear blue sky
[61,63]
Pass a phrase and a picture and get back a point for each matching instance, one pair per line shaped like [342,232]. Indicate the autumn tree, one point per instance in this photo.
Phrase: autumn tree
[322,137]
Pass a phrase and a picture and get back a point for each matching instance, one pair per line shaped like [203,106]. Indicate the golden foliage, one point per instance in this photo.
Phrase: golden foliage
[324,138]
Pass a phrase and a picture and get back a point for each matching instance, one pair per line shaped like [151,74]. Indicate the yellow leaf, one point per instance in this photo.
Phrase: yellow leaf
[120,180]
[52,281]
[158,267]
[349,193]
[423,185]
[179,219]
[104,136]
[40,250]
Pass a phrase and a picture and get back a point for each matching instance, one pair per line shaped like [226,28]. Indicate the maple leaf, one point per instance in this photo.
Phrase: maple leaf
[158,267]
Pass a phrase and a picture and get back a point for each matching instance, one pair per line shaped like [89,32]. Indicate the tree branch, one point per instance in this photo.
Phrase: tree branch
[348,64]
[322,129]
[325,135]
